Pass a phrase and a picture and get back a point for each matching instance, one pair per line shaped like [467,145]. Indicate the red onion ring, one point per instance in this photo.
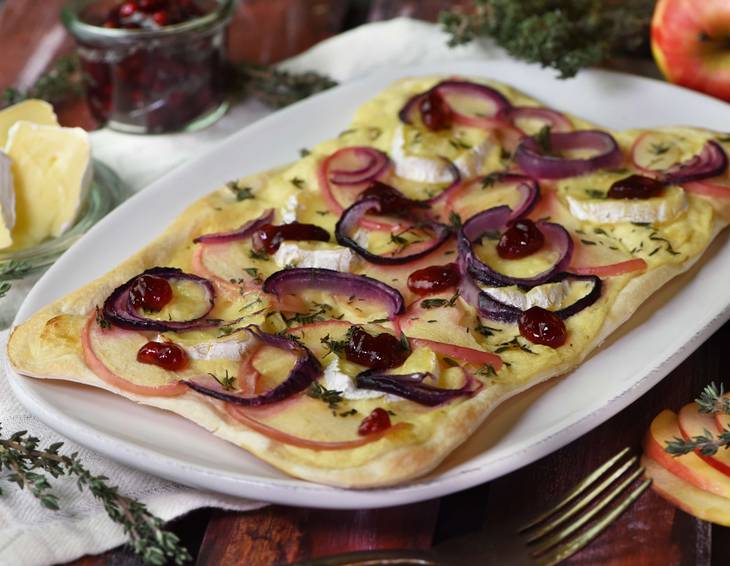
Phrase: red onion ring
[351,219]
[528,187]
[238,234]
[491,308]
[409,387]
[293,281]
[306,370]
[710,162]
[375,163]
[119,311]
[408,112]
[558,122]
[496,219]
[534,162]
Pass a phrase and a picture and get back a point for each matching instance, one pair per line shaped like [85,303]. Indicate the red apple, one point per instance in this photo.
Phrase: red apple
[689,39]
[701,504]
[693,423]
[689,467]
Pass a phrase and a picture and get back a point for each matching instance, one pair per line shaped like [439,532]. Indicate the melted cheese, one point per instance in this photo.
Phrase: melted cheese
[332,257]
[610,211]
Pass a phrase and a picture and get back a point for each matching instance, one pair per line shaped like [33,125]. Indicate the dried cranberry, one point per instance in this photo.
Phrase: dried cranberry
[383,351]
[160,18]
[391,201]
[520,240]
[150,293]
[435,111]
[166,355]
[635,187]
[127,9]
[540,326]
[268,238]
[377,421]
[434,279]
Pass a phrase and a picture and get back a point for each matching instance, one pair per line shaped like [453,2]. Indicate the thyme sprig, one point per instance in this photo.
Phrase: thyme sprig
[272,86]
[712,400]
[13,269]
[61,82]
[564,35]
[277,87]
[28,465]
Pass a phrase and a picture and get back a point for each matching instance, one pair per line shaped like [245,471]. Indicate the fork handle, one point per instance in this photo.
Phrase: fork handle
[377,558]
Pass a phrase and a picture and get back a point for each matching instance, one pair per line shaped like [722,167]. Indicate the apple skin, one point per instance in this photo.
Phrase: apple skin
[689,467]
[689,39]
[701,504]
[693,423]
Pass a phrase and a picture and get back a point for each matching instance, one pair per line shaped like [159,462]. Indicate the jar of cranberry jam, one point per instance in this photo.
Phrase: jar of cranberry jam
[152,66]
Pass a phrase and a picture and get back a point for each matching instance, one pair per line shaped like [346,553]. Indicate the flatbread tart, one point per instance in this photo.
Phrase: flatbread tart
[353,317]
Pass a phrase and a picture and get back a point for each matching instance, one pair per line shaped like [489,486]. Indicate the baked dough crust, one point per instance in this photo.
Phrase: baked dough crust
[45,347]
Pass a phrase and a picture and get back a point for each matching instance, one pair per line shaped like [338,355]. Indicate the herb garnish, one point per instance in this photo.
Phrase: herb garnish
[298,182]
[100,320]
[258,256]
[241,193]
[712,400]
[227,382]
[438,303]
[543,140]
[595,193]
[455,220]
[566,36]
[486,330]
[316,314]
[27,465]
[513,344]
[330,396]
[254,273]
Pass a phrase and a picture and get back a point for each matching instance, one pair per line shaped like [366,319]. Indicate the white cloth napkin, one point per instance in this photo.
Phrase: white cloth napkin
[32,535]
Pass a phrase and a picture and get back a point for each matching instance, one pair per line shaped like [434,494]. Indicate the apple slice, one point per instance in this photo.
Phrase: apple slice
[693,423]
[690,467]
[722,420]
[701,504]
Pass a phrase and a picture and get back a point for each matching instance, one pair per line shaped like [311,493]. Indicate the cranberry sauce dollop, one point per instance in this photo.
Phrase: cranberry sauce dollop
[435,111]
[391,201]
[268,238]
[520,240]
[166,355]
[150,293]
[635,187]
[540,326]
[434,279]
[377,421]
[383,351]
[151,14]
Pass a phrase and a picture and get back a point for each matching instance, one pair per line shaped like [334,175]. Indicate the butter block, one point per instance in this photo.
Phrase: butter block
[52,173]
[36,111]
[7,201]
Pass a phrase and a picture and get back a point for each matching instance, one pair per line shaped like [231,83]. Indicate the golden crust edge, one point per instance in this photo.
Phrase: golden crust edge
[399,465]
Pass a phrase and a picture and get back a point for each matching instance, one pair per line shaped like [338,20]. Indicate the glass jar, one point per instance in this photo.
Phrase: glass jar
[166,79]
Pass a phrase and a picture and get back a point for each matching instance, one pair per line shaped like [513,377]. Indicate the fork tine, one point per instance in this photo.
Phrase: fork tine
[582,503]
[568,549]
[576,491]
[564,533]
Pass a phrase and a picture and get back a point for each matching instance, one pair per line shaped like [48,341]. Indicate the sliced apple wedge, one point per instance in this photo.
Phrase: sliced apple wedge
[722,420]
[693,423]
[702,504]
[689,467]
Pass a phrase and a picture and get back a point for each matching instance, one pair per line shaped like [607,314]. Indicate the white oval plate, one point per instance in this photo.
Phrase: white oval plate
[659,336]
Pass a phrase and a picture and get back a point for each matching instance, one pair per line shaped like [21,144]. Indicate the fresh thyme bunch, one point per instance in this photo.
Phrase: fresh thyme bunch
[274,87]
[712,400]
[567,35]
[28,465]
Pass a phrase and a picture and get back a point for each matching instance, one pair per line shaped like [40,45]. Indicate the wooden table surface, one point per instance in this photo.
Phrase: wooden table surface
[652,532]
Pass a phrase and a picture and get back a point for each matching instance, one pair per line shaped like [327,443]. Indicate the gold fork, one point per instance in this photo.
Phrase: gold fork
[558,533]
